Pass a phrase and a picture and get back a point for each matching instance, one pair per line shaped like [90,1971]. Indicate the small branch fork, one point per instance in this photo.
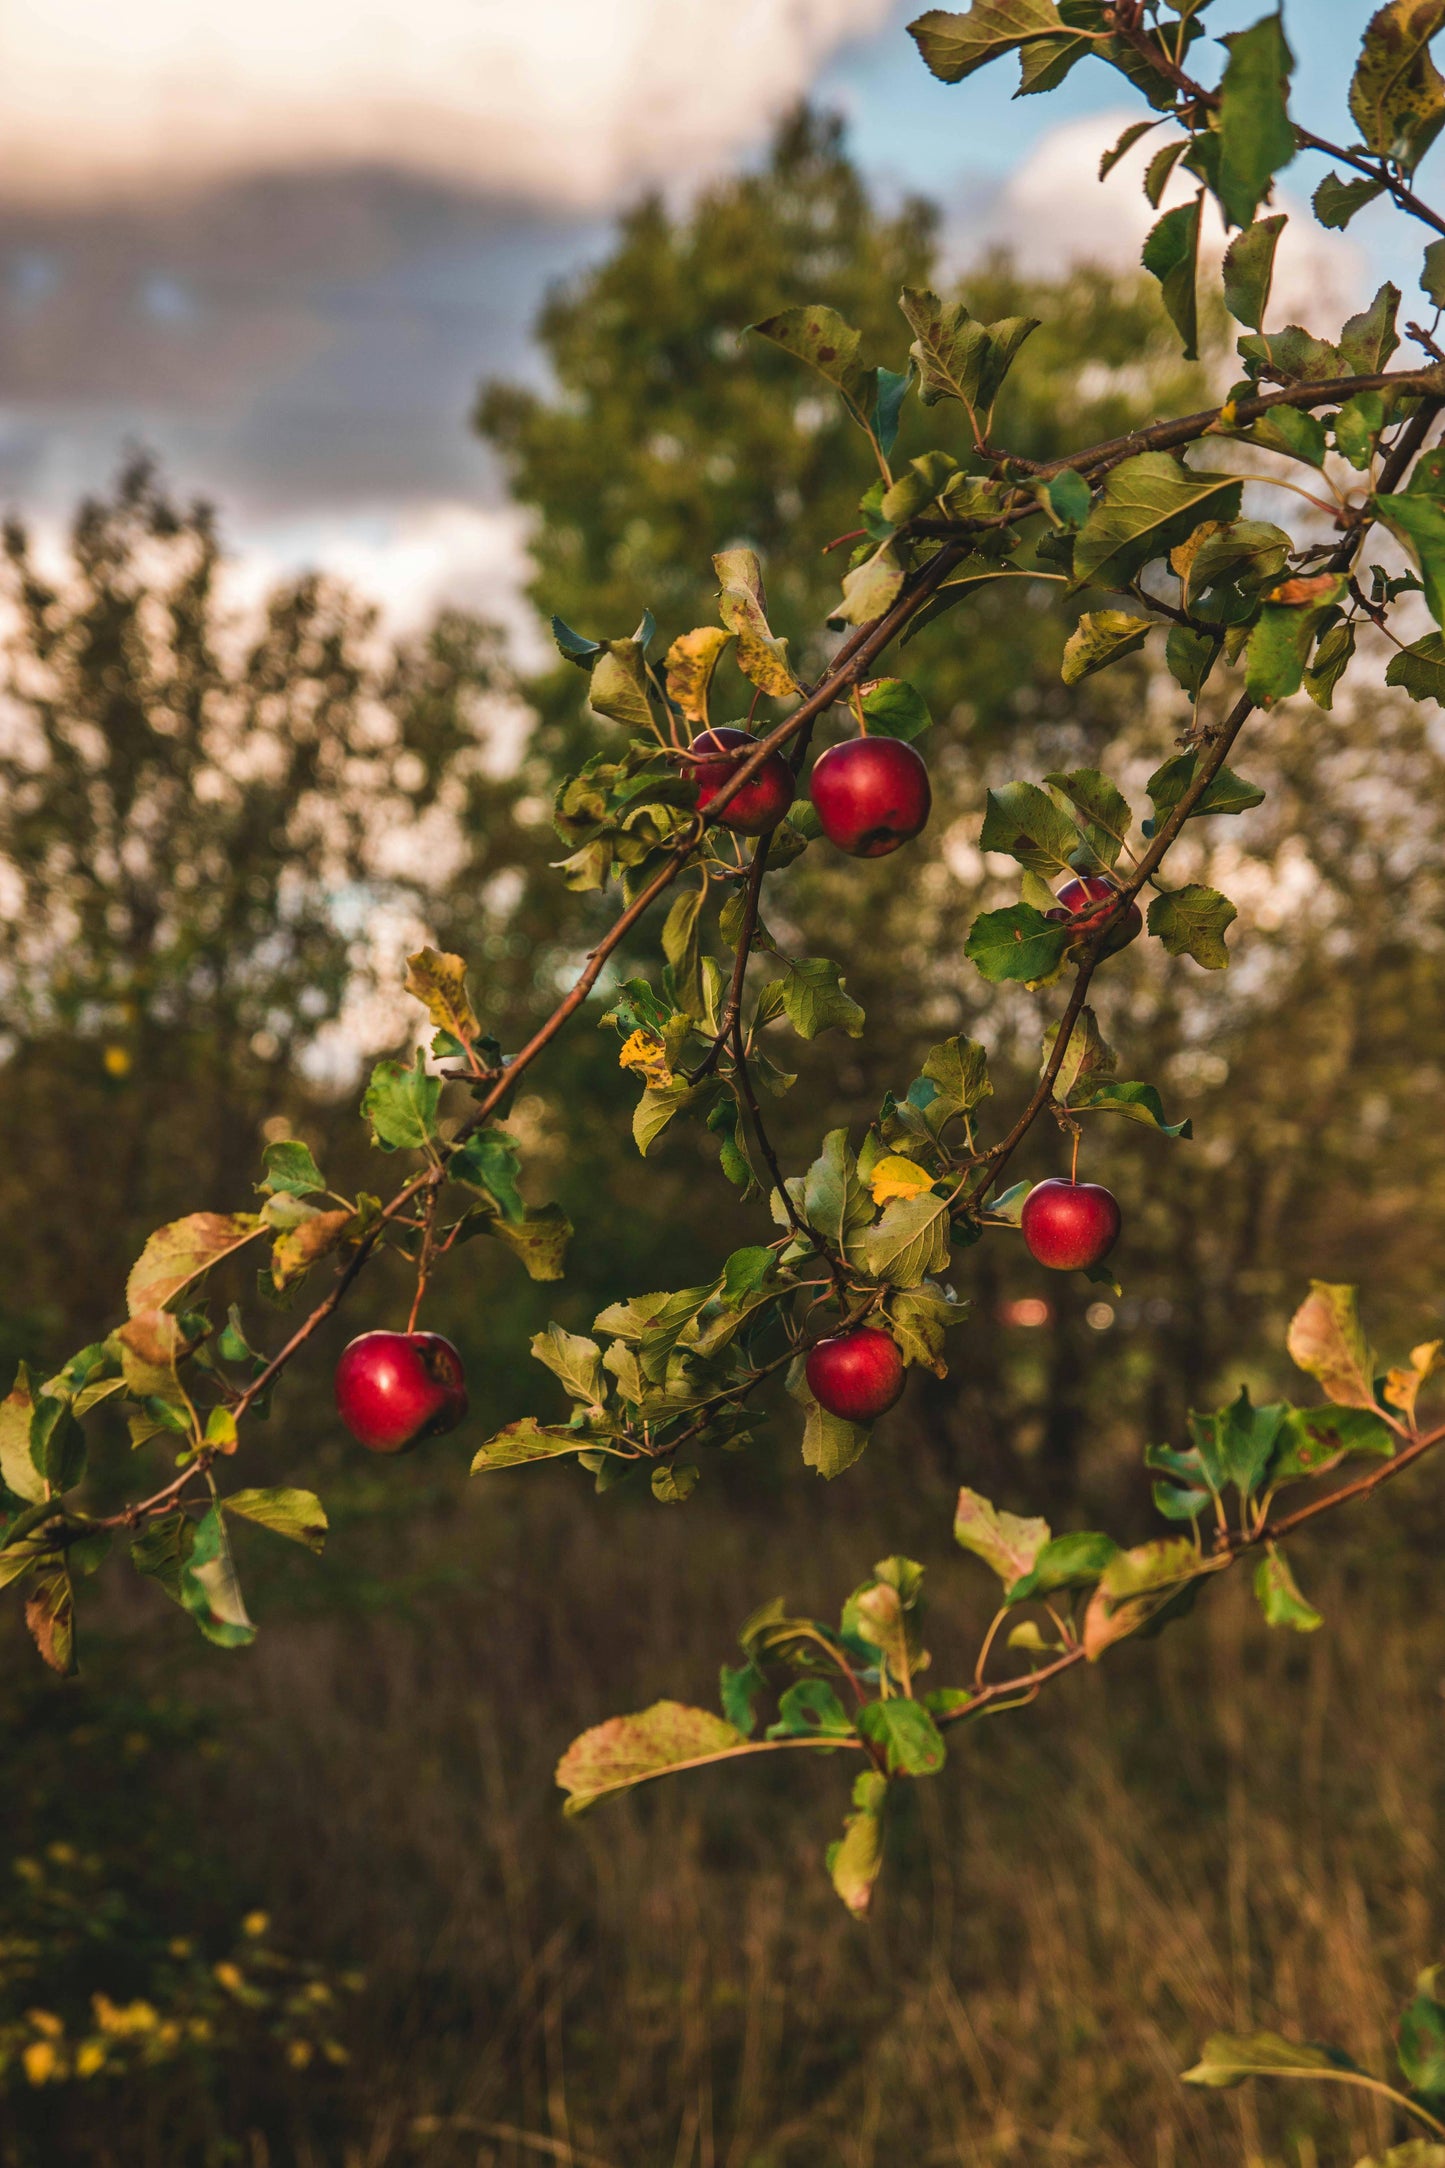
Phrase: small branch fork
[851,664]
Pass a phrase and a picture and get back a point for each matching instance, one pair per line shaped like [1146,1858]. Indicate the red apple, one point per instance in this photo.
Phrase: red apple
[1084,903]
[1068,1225]
[395,1388]
[857,1374]
[763,799]
[871,794]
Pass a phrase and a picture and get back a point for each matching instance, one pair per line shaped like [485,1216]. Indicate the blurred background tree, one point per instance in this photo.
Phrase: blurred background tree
[214,843]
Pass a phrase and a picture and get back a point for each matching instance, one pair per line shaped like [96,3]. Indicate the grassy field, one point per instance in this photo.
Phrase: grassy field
[1224,1828]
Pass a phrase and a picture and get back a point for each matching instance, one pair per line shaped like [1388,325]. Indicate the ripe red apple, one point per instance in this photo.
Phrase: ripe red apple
[1085,902]
[763,799]
[857,1374]
[871,794]
[1068,1225]
[395,1388]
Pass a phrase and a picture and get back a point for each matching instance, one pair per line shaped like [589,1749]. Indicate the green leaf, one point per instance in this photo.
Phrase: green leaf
[1331,660]
[1136,1102]
[1161,165]
[540,1240]
[401,1105]
[1357,428]
[1336,201]
[1289,430]
[1249,270]
[1279,1596]
[1327,1339]
[1004,1541]
[1229,2058]
[910,1240]
[869,590]
[1148,1567]
[1226,791]
[1123,146]
[958,358]
[895,709]
[856,1859]
[681,945]
[1147,505]
[1249,552]
[958,1070]
[1397,97]
[1024,821]
[208,1586]
[1068,497]
[829,1444]
[1102,637]
[739,1687]
[22,1475]
[162,1548]
[834,1201]
[1172,253]
[953,45]
[1314,1440]
[574,1359]
[1418,669]
[918,1318]
[489,1161]
[1420,2042]
[1075,1561]
[1192,922]
[628,1750]
[297,1514]
[814,998]
[1189,656]
[910,1739]
[1255,136]
[673,1486]
[1107,814]
[1419,522]
[520,1443]
[617,687]
[811,1708]
[290,1170]
[1291,356]
[828,343]
[655,1109]
[1369,339]
[575,646]
[1017,943]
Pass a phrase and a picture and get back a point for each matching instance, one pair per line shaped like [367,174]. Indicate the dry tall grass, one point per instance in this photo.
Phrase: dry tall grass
[1224,1828]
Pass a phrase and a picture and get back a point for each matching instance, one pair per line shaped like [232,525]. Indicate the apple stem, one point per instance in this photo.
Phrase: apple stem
[1074,1163]
[428,1245]
[858,709]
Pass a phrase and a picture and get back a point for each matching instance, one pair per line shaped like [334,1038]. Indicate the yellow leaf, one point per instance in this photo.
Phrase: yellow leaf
[897,1176]
[1402,1385]
[691,661]
[439,983]
[646,1052]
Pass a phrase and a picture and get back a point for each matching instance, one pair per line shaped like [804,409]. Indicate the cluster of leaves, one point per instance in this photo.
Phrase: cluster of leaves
[182,1377]
[64,1926]
[1065,1598]
[1229,2059]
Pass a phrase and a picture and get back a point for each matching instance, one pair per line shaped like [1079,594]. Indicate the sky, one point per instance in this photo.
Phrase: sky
[280,245]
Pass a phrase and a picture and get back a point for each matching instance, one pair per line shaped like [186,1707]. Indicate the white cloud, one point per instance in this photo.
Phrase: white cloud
[568,101]
[1054,211]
